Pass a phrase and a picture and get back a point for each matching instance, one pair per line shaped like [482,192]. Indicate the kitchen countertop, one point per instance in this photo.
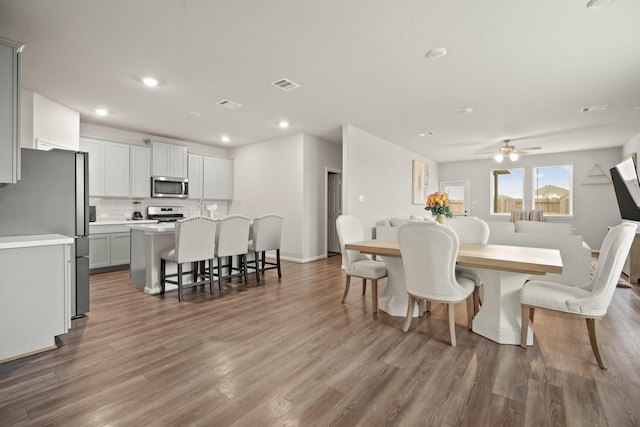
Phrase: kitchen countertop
[163,227]
[125,222]
[12,242]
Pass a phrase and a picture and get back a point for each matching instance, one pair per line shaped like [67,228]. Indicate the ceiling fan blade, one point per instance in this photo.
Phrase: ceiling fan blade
[488,152]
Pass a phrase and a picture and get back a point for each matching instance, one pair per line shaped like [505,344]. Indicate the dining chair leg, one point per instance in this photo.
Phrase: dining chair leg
[278,263]
[531,313]
[264,260]
[163,274]
[524,327]
[427,307]
[219,275]
[470,311]
[407,320]
[593,325]
[179,282]
[364,285]
[452,323]
[346,288]
[374,297]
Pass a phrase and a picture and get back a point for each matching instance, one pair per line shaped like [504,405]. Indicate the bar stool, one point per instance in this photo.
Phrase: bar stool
[194,242]
[267,236]
[232,239]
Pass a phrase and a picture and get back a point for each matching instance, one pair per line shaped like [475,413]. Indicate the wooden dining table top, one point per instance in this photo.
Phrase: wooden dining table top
[495,257]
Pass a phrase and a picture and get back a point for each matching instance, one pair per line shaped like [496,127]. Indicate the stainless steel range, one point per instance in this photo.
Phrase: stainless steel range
[165,213]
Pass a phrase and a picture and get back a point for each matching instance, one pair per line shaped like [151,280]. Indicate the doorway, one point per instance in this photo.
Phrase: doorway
[334,209]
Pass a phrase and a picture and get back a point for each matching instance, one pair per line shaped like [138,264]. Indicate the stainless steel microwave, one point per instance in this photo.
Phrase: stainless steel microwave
[169,187]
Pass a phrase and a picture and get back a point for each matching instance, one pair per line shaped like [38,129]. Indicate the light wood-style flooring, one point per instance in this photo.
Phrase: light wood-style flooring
[288,353]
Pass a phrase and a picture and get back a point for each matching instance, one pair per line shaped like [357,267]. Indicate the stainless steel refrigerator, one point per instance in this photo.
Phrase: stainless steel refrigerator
[53,197]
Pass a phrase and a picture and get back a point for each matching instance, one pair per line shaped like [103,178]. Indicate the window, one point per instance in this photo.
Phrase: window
[507,190]
[552,189]
[458,192]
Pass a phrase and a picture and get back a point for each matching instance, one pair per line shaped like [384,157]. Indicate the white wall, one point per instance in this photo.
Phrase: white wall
[45,119]
[136,138]
[595,207]
[382,173]
[318,155]
[633,146]
[268,178]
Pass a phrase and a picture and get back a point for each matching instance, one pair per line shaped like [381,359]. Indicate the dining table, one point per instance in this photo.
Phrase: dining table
[503,270]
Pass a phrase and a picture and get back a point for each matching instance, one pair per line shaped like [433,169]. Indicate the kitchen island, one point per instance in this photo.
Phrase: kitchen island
[147,241]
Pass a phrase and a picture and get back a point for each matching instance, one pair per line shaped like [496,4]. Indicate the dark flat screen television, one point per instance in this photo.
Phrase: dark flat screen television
[627,187]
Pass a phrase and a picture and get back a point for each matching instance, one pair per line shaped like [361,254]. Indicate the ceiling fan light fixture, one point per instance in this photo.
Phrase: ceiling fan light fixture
[513,156]
[499,157]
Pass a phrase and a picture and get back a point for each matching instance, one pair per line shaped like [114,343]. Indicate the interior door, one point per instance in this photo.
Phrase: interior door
[334,209]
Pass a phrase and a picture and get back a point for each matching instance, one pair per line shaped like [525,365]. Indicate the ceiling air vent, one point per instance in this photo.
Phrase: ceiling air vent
[285,84]
[229,104]
[594,108]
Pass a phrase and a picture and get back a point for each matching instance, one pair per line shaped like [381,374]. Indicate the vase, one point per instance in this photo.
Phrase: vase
[442,219]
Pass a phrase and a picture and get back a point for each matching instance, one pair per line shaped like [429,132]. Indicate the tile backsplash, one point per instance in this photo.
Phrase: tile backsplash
[114,209]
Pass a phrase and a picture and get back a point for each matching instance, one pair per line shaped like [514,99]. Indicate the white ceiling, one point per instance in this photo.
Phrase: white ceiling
[525,67]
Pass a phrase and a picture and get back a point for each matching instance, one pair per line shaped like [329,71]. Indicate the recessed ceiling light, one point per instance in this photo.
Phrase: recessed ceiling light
[599,4]
[427,133]
[225,138]
[150,81]
[101,111]
[436,52]
[195,114]
[283,124]
[466,110]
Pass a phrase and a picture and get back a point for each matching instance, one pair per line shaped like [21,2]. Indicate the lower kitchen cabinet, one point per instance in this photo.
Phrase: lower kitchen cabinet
[109,250]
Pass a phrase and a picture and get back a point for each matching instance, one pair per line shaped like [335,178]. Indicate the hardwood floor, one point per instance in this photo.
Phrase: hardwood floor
[288,353]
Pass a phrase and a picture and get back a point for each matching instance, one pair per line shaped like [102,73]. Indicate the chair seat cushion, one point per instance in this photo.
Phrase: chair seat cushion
[549,295]
[368,268]
[168,254]
[468,273]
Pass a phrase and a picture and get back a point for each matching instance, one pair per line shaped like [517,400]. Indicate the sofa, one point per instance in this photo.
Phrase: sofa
[575,253]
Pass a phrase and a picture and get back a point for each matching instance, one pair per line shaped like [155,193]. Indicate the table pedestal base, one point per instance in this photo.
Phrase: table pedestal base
[395,298]
[499,319]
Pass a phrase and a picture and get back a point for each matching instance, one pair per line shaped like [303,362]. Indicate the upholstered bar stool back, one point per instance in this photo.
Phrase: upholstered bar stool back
[232,239]
[194,241]
[267,236]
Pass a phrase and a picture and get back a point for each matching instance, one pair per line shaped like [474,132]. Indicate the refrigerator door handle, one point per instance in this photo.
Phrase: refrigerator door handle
[82,194]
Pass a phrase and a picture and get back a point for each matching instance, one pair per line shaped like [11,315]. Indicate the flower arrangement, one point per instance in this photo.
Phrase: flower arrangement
[438,204]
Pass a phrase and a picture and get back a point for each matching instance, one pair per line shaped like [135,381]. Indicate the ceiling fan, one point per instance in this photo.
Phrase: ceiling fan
[509,151]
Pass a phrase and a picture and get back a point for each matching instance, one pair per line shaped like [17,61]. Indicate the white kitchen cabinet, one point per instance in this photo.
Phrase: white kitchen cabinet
[35,299]
[169,160]
[116,167]
[10,52]
[195,176]
[217,178]
[109,249]
[140,158]
[109,168]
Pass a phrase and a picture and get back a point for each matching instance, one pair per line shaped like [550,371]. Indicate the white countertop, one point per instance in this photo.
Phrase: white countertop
[163,227]
[124,222]
[12,242]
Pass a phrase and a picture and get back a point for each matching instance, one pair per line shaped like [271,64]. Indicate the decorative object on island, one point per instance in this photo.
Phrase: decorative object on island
[438,204]
[420,181]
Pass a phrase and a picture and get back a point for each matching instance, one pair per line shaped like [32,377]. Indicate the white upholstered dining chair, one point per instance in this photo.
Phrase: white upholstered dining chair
[356,264]
[471,229]
[589,301]
[232,239]
[194,242]
[429,251]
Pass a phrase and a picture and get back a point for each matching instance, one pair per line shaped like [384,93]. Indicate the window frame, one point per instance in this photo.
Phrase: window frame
[492,190]
[571,189]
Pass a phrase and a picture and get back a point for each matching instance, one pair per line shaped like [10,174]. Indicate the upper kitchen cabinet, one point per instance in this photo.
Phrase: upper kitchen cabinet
[109,174]
[169,160]
[140,171]
[10,52]
[217,178]
[195,176]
